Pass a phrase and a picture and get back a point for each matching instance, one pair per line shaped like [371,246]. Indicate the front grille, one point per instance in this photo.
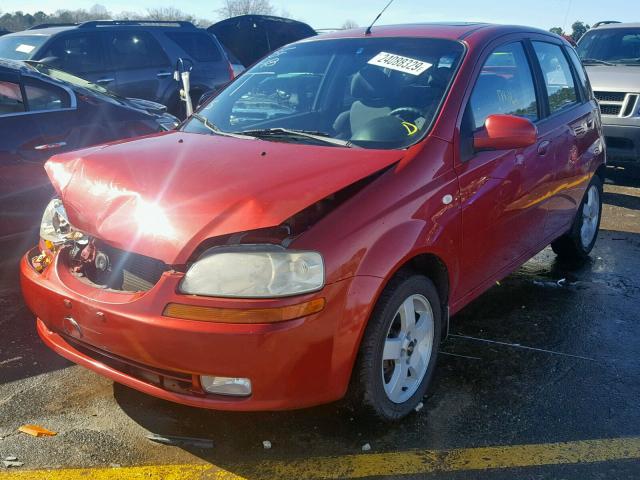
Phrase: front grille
[610,96]
[125,271]
[610,109]
[617,104]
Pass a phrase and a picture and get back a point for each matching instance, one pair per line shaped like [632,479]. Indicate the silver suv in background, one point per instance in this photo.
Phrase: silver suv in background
[610,52]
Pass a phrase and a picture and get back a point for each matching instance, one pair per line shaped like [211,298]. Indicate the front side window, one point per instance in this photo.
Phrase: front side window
[610,45]
[43,97]
[371,92]
[505,86]
[133,50]
[557,76]
[10,98]
[78,53]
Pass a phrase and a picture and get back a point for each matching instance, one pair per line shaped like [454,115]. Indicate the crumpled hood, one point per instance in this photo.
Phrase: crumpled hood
[618,78]
[162,195]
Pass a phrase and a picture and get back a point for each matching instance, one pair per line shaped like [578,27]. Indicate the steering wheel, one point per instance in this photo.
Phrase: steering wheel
[398,112]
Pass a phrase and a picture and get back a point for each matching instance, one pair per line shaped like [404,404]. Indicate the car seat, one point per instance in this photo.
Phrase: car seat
[371,88]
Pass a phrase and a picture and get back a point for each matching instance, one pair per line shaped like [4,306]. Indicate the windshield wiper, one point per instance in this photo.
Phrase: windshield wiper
[215,129]
[628,61]
[285,132]
[595,61]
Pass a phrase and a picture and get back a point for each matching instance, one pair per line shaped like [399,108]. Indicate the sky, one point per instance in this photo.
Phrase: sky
[332,13]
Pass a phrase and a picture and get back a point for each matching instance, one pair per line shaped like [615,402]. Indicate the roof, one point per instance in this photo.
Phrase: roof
[16,67]
[449,30]
[12,66]
[46,32]
[52,28]
[617,25]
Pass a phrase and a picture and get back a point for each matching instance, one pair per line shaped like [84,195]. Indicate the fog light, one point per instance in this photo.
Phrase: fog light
[237,387]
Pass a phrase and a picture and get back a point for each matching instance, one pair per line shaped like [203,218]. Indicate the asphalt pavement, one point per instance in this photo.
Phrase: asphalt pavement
[540,378]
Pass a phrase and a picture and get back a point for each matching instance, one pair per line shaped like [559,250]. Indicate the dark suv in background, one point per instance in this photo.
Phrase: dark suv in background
[130,58]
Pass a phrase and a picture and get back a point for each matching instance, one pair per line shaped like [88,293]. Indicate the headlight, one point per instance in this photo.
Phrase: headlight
[55,225]
[254,271]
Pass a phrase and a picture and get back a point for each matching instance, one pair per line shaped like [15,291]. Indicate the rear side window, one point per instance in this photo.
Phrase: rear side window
[505,86]
[10,98]
[44,97]
[582,75]
[133,50]
[557,76]
[78,53]
[198,45]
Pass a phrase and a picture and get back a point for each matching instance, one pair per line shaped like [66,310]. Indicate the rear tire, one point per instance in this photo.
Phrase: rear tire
[399,349]
[576,244]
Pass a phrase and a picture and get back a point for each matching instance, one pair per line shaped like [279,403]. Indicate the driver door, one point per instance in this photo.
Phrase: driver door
[501,222]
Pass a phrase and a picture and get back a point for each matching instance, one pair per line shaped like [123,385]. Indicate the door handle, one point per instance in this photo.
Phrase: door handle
[164,74]
[543,148]
[50,146]
[105,80]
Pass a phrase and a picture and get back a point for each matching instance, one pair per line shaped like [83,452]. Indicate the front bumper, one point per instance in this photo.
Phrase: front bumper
[623,144]
[123,336]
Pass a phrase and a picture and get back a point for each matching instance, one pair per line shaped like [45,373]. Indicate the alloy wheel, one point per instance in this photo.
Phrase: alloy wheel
[407,348]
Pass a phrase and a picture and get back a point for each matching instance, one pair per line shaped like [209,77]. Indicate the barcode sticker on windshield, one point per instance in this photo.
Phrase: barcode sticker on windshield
[400,63]
[24,48]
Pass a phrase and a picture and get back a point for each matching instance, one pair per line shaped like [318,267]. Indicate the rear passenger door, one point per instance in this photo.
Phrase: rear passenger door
[143,70]
[572,117]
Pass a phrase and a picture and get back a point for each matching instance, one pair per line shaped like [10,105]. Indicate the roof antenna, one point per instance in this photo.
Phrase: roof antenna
[368,30]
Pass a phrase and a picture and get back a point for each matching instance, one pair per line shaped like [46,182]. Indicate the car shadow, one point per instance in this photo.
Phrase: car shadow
[621,177]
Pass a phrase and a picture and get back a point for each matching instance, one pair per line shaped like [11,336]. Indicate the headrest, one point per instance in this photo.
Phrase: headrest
[370,83]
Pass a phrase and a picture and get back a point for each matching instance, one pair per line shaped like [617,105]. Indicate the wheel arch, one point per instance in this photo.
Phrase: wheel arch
[601,172]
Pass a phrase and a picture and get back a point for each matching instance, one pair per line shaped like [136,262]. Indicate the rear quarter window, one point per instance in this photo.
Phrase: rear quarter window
[198,45]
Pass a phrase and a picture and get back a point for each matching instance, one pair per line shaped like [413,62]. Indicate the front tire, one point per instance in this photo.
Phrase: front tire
[399,350]
[576,245]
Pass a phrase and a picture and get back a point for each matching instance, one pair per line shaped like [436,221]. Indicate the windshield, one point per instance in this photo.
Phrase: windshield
[612,45]
[367,92]
[21,47]
[66,77]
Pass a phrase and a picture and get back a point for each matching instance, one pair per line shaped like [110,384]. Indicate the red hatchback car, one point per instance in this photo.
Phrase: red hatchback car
[311,229]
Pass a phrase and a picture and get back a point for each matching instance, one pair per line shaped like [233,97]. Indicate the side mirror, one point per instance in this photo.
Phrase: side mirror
[505,132]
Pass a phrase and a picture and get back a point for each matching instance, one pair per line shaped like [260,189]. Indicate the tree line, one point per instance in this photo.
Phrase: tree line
[18,21]
[578,29]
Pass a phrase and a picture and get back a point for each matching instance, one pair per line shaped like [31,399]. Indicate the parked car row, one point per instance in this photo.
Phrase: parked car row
[130,58]
[308,232]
